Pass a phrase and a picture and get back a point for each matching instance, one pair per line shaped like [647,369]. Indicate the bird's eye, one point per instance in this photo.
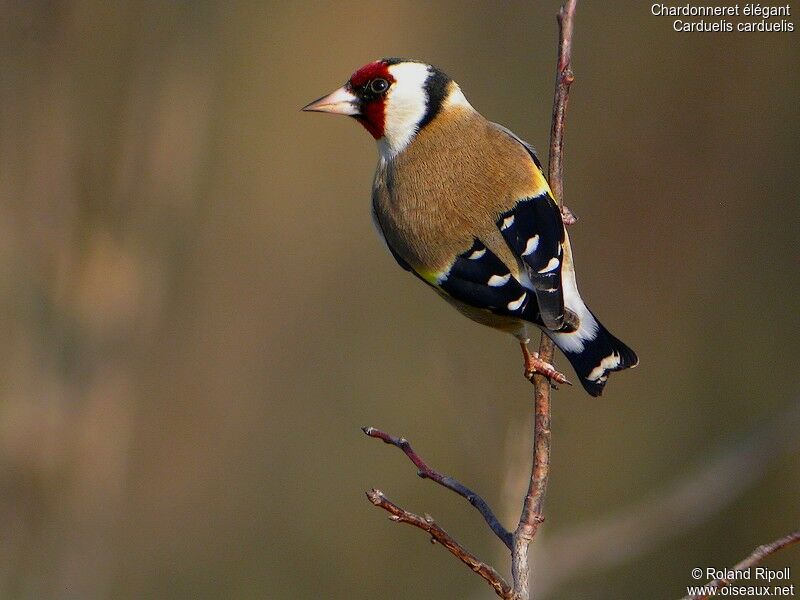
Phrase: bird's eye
[378,86]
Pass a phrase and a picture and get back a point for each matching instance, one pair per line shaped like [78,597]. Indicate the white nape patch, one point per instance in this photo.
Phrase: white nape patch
[531,246]
[406,103]
[517,303]
[507,222]
[575,341]
[497,281]
[477,254]
[608,363]
[551,266]
[456,97]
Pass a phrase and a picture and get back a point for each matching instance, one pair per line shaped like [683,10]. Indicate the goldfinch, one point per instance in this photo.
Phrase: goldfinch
[463,204]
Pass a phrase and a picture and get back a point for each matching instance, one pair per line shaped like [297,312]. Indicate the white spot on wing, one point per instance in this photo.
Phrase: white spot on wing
[517,303]
[551,266]
[477,254]
[531,246]
[507,222]
[610,362]
[497,280]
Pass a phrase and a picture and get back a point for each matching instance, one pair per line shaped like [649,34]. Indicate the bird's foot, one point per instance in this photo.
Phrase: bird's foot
[534,365]
[567,216]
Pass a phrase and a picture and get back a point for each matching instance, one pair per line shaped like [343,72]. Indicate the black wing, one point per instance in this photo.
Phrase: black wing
[536,236]
[480,279]
[534,232]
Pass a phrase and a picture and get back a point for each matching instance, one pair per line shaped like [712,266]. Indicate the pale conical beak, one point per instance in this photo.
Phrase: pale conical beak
[340,102]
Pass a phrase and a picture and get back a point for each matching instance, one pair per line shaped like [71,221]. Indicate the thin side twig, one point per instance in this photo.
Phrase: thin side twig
[756,557]
[532,510]
[667,512]
[426,472]
[400,515]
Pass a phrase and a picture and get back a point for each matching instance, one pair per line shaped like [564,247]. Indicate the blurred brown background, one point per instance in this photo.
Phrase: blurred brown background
[197,315]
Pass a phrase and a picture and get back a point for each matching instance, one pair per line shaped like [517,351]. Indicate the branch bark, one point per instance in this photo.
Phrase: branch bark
[756,557]
[532,510]
[400,515]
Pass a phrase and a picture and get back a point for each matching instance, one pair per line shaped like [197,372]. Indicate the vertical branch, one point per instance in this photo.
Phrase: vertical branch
[564,79]
[532,514]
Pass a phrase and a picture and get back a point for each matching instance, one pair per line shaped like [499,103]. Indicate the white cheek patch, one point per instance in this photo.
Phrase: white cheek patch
[406,103]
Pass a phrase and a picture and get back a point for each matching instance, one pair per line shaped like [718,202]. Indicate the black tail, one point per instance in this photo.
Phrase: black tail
[594,353]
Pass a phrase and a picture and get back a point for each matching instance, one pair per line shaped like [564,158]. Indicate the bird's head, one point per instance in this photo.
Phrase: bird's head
[393,99]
